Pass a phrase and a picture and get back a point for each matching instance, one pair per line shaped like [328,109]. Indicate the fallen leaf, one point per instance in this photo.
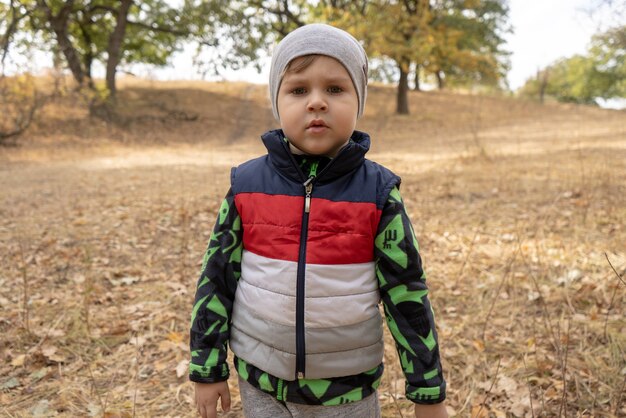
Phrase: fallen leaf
[41,409]
[176,337]
[451,411]
[480,411]
[479,345]
[10,383]
[39,374]
[79,278]
[128,280]
[50,352]
[138,340]
[520,408]
[182,368]
[507,385]
[499,413]
[116,414]
[18,361]
[94,410]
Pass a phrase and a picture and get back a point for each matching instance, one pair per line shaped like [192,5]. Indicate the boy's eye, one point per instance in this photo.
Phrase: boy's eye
[335,89]
[298,90]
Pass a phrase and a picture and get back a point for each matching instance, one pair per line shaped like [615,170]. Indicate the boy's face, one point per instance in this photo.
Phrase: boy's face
[318,106]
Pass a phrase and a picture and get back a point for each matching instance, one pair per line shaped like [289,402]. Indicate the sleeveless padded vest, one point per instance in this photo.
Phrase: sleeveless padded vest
[306,304]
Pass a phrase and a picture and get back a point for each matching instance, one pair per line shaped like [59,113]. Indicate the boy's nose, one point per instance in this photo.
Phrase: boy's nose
[316,103]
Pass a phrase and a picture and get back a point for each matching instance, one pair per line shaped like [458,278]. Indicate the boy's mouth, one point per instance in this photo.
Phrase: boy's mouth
[317,122]
[317,125]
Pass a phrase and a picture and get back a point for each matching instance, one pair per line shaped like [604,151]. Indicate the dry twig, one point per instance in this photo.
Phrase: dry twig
[608,311]
[493,382]
[563,407]
[507,271]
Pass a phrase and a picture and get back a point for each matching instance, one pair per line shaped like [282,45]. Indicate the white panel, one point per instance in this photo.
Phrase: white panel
[322,312]
[321,279]
[336,295]
[266,304]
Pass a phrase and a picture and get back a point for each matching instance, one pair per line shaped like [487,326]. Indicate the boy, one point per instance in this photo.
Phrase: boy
[308,240]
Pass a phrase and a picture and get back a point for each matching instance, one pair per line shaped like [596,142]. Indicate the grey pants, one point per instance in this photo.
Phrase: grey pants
[257,404]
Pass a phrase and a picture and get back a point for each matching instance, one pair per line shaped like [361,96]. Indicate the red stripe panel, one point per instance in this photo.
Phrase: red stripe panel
[339,232]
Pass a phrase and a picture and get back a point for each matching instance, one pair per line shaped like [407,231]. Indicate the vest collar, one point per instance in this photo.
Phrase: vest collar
[350,157]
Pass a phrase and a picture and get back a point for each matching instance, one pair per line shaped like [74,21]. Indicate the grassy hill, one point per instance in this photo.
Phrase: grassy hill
[235,113]
[519,209]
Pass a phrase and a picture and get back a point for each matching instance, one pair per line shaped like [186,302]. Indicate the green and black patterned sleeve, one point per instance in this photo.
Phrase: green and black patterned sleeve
[215,293]
[403,290]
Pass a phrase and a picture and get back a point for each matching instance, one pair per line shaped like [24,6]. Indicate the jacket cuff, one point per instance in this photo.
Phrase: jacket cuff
[201,374]
[426,395]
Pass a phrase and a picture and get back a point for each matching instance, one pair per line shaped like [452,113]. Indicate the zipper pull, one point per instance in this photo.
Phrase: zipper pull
[308,188]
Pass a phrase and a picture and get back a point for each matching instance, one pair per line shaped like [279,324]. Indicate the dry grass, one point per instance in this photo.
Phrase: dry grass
[517,207]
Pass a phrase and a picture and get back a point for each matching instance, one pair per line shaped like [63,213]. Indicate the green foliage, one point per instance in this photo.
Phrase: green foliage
[228,38]
[155,29]
[454,40]
[601,73]
[608,54]
[398,31]
[468,36]
[459,39]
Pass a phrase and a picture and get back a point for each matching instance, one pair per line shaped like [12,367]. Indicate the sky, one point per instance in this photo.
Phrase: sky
[545,30]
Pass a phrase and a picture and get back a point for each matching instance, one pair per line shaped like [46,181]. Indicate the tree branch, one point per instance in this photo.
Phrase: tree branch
[289,14]
[149,26]
[5,42]
[161,29]
[22,120]
[283,12]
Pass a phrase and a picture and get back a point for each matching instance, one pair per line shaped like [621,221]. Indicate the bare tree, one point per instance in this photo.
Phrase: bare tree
[543,78]
[19,103]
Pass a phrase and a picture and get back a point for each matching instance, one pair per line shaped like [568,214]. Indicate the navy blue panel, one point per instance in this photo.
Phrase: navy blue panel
[259,176]
[369,183]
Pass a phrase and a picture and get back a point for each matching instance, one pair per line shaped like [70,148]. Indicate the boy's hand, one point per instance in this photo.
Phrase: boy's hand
[207,395]
[437,410]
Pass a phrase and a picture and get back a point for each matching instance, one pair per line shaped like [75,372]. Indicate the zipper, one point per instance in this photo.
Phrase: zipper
[308,188]
[300,343]
[300,276]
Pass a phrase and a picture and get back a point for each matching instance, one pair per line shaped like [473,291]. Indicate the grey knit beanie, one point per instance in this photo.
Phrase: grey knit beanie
[320,39]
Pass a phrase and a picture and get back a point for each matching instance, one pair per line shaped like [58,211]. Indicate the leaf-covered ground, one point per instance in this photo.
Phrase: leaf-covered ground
[520,210]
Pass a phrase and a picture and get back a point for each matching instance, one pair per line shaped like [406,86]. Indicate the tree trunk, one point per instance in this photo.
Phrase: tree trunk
[402,104]
[440,79]
[89,54]
[417,78]
[115,44]
[543,85]
[59,26]
[88,64]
